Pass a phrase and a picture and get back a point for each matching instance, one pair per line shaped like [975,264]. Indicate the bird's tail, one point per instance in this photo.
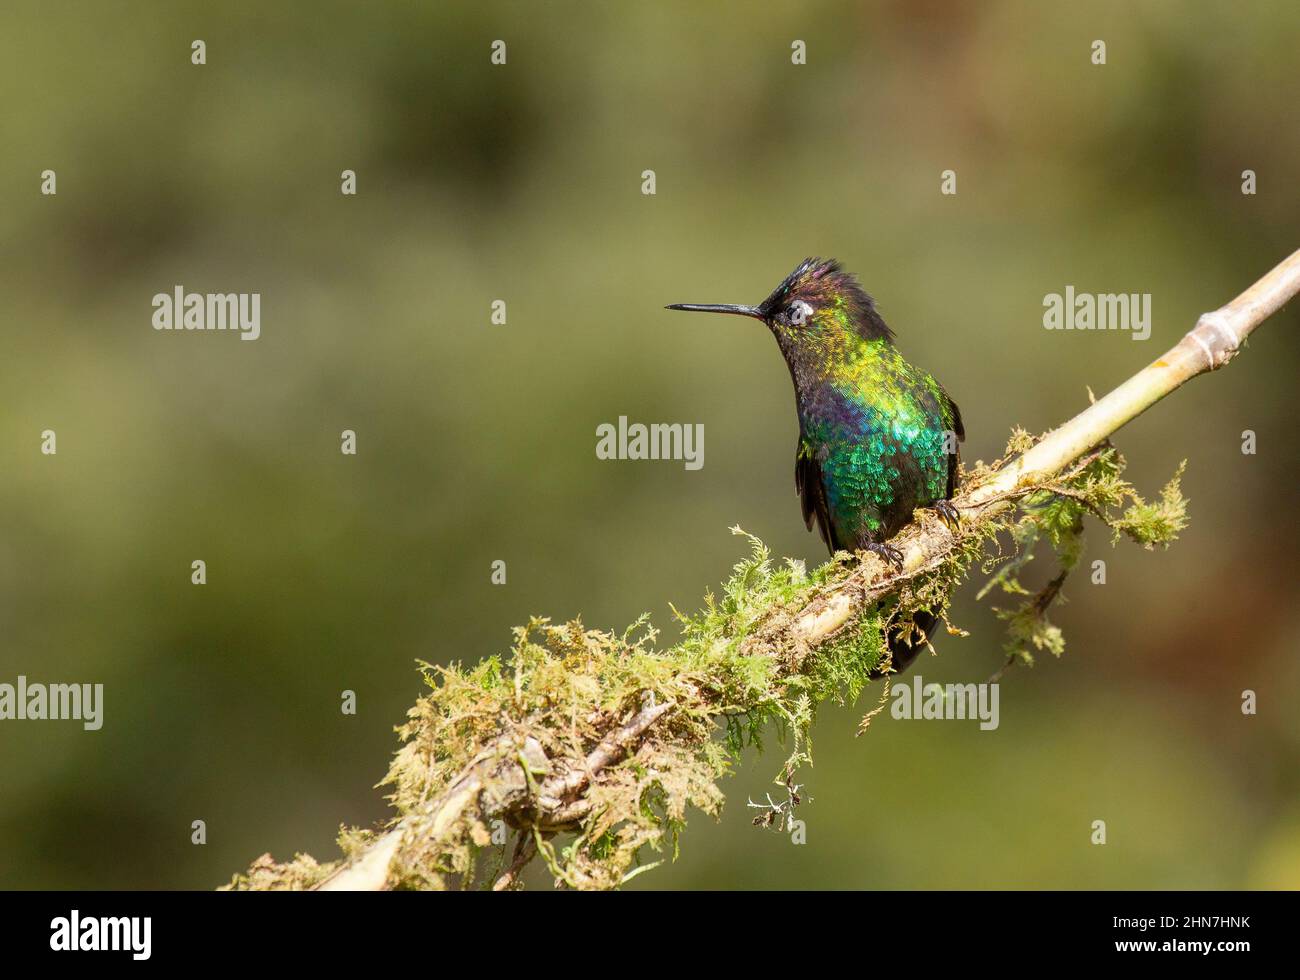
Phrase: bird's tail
[901,651]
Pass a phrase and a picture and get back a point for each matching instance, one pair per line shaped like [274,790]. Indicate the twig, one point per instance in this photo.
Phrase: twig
[524,852]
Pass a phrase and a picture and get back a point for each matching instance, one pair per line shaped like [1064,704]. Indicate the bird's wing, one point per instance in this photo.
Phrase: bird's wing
[812,492]
[938,404]
[957,427]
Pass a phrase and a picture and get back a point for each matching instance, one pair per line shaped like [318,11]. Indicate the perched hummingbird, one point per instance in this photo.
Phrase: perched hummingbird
[874,431]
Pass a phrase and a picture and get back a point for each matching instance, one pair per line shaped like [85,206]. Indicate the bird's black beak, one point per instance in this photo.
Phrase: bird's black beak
[733,308]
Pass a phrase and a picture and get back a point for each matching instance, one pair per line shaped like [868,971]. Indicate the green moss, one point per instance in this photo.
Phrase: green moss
[731,678]
[1054,516]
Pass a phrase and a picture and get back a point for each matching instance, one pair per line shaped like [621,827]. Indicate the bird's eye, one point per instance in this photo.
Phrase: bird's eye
[798,312]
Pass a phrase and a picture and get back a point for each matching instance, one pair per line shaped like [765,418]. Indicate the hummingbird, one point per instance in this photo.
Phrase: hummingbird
[877,436]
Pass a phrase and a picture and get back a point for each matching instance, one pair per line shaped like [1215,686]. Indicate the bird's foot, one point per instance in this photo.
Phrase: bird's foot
[886,552]
[949,514]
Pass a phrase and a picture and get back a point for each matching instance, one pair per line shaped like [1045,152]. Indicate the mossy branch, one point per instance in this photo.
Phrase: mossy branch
[587,747]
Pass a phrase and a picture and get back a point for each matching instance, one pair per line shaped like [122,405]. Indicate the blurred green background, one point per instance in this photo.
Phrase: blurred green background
[476,442]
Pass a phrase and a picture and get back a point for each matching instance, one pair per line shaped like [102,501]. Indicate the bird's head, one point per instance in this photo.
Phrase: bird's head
[818,306]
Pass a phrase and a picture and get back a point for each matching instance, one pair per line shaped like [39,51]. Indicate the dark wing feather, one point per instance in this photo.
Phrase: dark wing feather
[960,429]
[812,494]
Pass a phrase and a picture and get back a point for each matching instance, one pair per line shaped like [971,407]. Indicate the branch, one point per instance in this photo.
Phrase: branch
[1214,341]
[603,756]
[370,871]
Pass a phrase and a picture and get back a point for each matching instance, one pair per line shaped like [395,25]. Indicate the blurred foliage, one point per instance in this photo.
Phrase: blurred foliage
[522,182]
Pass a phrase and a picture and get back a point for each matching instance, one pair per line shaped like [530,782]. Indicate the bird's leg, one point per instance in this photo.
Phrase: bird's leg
[948,513]
[887,553]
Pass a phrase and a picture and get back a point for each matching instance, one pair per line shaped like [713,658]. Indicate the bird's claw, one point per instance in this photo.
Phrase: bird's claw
[887,553]
[949,514]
